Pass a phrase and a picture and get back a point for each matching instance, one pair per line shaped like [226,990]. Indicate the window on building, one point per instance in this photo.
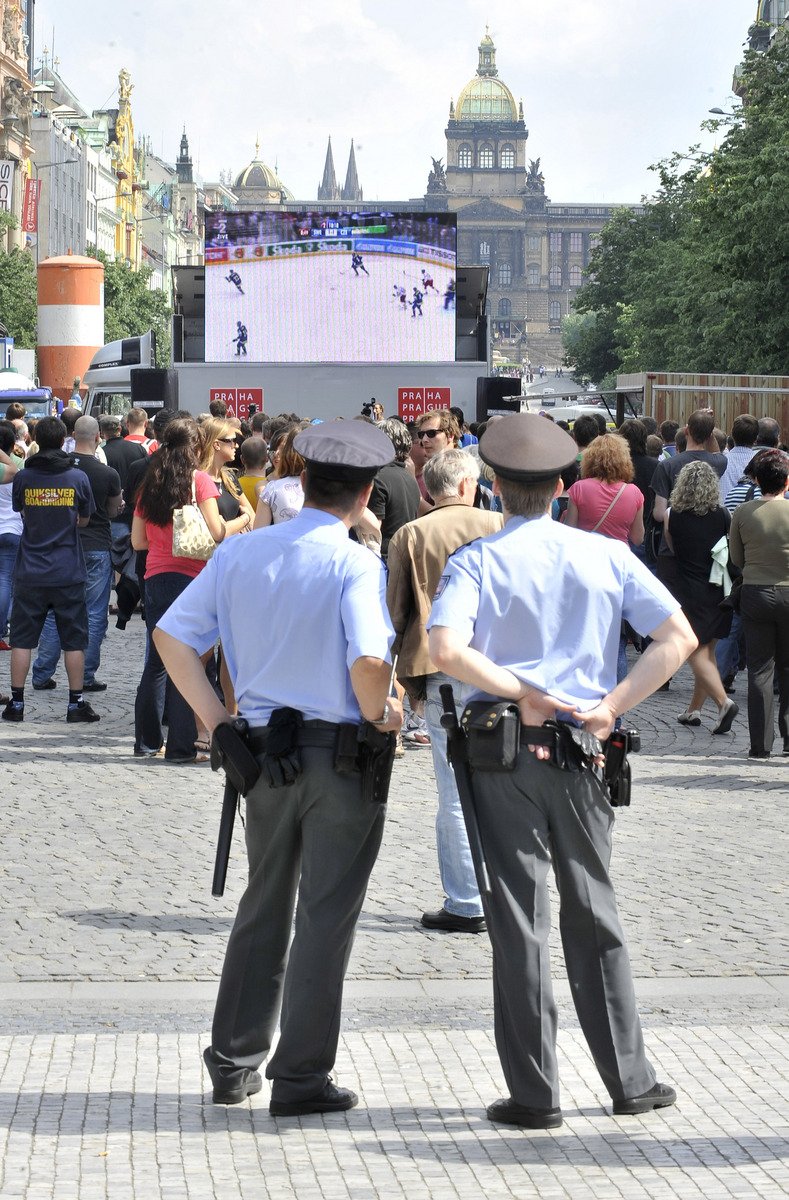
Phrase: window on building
[533,241]
[554,312]
[533,275]
[576,277]
[486,158]
[508,158]
[555,277]
[464,156]
[555,242]
[594,242]
[576,243]
[484,252]
[505,274]
[505,307]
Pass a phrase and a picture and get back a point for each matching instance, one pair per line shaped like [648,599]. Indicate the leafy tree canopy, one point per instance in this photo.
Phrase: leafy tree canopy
[699,280]
[131,307]
[18,296]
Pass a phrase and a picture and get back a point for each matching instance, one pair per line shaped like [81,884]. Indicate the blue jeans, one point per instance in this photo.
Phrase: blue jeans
[97,599]
[160,592]
[454,856]
[9,544]
[727,651]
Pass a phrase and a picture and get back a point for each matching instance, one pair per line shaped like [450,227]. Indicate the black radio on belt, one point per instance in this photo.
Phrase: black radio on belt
[616,770]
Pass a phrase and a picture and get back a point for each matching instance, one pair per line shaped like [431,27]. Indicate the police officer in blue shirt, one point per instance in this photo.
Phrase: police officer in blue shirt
[301,613]
[532,615]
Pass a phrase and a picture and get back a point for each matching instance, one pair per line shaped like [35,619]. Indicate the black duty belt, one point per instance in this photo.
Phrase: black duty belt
[311,733]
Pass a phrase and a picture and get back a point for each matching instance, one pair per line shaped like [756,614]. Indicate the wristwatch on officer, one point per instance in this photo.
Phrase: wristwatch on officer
[383,718]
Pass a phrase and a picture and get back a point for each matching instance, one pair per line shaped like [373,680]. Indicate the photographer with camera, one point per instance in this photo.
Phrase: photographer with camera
[531,615]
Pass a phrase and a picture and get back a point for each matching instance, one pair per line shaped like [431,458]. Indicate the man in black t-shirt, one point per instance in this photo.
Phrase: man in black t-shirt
[96,541]
[395,495]
[699,432]
[55,500]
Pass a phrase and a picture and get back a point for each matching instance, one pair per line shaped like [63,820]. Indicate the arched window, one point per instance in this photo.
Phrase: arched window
[505,274]
[484,252]
[464,156]
[576,278]
[555,277]
[505,307]
[533,275]
[507,158]
[555,312]
[486,158]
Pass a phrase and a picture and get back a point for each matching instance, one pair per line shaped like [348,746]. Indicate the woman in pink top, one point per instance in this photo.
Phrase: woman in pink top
[167,485]
[604,500]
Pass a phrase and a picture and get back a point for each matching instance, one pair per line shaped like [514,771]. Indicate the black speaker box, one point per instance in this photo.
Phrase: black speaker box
[153,388]
[497,393]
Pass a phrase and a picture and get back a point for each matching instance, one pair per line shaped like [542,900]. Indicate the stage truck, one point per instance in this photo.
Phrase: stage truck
[315,313]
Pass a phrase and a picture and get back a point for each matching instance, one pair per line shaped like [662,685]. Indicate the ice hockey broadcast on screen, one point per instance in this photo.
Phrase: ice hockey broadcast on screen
[330,287]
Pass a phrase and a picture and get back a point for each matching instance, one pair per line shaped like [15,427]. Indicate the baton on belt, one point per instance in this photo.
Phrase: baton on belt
[457,753]
[229,749]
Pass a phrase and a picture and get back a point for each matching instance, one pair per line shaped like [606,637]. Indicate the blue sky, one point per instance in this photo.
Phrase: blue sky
[608,86]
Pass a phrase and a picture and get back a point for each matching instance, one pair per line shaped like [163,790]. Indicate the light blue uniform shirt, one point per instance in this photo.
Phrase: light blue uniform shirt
[295,605]
[546,601]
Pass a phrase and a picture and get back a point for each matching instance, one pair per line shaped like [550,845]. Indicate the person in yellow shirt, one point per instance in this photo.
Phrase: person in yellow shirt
[254,456]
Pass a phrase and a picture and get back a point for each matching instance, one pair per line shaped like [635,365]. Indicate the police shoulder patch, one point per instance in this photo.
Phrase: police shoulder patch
[441,586]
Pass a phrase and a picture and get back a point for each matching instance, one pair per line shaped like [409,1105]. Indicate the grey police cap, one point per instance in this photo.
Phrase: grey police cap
[526,448]
[353,451]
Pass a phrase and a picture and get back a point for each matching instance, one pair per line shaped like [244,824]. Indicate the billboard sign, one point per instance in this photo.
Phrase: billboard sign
[412,402]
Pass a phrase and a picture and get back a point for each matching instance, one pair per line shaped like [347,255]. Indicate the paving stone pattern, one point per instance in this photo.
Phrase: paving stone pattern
[110,946]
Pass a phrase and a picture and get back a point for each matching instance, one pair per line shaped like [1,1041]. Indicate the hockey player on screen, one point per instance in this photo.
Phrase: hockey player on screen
[449,295]
[427,281]
[234,277]
[357,264]
[403,297]
[241,338]
[416,303]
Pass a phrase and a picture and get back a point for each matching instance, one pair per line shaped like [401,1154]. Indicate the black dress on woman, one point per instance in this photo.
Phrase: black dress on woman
[693,538]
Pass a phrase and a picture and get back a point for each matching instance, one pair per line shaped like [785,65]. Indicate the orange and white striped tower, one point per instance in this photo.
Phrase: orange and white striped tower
[70,319]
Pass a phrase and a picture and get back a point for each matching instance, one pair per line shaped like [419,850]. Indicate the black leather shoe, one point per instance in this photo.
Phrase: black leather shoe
[249,1084]
[95,685]
[659,1096]
[331,1099]
[510,1113]
[46,686]
[451,923]
[81,712]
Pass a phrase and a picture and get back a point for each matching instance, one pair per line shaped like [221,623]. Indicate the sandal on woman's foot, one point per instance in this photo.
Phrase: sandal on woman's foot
[203,746]
[690,717]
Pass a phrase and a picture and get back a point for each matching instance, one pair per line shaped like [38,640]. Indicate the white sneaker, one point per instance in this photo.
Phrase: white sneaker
[690,717]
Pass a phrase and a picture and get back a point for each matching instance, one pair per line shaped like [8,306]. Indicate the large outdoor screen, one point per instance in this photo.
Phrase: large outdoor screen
[330,287]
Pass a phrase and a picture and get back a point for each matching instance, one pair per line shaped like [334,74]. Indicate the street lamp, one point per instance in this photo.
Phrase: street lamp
[60,162]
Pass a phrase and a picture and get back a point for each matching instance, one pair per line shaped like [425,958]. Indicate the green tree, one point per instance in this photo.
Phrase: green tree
[18,295]
[699,280]
[131,306]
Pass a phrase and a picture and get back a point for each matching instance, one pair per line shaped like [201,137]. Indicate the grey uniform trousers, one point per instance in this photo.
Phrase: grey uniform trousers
[320,838]
[529,818]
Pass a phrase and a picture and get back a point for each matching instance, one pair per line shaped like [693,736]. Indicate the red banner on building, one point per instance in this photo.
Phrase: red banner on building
[238,400]
[30,206]
[413,401]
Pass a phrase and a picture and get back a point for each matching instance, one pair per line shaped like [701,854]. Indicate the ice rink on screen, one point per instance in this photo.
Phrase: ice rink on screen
[313,308]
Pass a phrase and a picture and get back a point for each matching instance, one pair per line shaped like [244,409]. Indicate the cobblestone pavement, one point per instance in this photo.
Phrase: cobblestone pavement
[111,946]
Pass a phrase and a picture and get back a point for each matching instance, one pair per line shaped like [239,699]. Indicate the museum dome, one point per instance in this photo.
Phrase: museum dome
[486,98]
[257,176]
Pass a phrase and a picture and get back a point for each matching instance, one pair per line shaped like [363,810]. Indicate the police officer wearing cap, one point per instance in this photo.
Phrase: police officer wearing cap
[301,613]
[532,615]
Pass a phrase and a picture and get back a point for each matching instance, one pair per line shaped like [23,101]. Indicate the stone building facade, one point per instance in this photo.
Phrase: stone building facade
[16,112]
[536,250]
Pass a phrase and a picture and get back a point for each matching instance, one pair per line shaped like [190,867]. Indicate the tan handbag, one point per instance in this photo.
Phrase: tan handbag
[191,536]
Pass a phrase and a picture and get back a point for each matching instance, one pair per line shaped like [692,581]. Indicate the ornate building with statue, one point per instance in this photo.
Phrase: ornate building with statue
[16,110]
[536,250]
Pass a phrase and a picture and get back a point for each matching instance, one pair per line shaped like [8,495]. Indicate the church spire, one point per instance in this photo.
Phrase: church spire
[327,188]
[352,191]
[183,165]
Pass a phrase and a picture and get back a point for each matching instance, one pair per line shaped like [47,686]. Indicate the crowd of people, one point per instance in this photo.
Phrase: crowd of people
[476,556]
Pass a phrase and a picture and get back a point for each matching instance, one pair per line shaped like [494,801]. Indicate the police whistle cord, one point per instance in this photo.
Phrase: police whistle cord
[458,757]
